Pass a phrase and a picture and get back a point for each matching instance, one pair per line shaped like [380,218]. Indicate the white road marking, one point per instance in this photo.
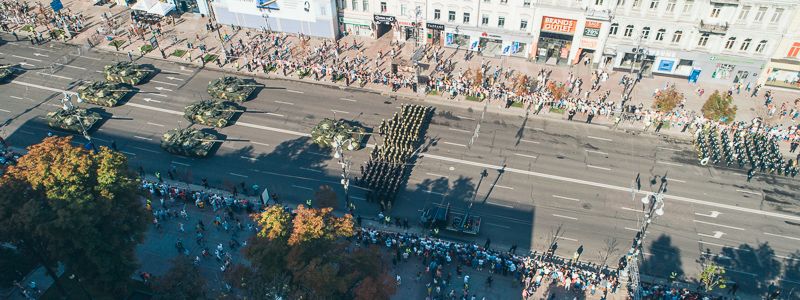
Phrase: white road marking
[68,66]
[5,110]
[154,124]
[598,138]
[459,130]
[302,187]
[142,138]
[98,71]
[566,238]
[296,92]
[717,234]
[357,198]
[749,192]
[27,132]
[53,105]
[465,118]
[238,175]
[783,236]
[596,152]
[162,82]
[128,153]
[454,144]
[712,244]
[262,144]
[565,217]
[340,111]
[631,209]
[154,108]
[676,180]
[284,102]
[15,97]
[274,114]
[596,167]
[249,158]
[56,76]
[146,150]
[529,141]
[720,225]
[182,164]
[670,149]
[311,170]
[498,225]
[348,99]
[503,187]
[669,163]
[525,155]
[273,129]
[499,204]
[163,89]
[713,214]
[631,229]
[566,198]
[28,58]
[435,193]
[436,175]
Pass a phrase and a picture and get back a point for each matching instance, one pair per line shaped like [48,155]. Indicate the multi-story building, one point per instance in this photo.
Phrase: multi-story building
[311,17]
[783,69]
[402,19]
[568,32]
[718,40]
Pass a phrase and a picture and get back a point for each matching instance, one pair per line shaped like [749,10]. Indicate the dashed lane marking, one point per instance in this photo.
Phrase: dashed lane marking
[749,192]
[783,236]
[499,204]
[284,102]
[340,111]
[15,97]
[670,149]
[669,163]
[155,124]
[525,155]
[676,180]
[261,144]
[498,225]
[162,82]
[5,110]
[566,238]
[128,153]
[142,138]
[566,198]
[28,58]
[311,170]
[596,152]
[56,76]
[454,144]
[181,164]
[529,141]
[275,115]
[293,91]
[146,150]
[465,118]
[357,198]
[302,187]
[238,175]
[720,225]
[249,158]
[348,99]
[436,175]
[599,138]
[631,229]
[600,168]
[565,217]
[503,187]
[459,130]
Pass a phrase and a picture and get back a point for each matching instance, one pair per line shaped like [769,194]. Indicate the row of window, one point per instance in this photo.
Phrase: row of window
[677,35]
[501,21]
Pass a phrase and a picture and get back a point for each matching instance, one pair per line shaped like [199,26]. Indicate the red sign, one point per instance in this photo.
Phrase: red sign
[559,25]
[593,24]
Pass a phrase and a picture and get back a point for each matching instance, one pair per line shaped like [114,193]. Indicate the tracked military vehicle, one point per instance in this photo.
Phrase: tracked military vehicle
[75,119]
[5,72]
[188,142]
[210,113]
[126,72]
[231,88]
[329,133]
[102,93]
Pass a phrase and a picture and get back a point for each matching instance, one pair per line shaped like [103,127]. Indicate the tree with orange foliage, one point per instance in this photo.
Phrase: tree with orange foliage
[63,203]
[274,222]
[558,91]
[521,85]
[310,224]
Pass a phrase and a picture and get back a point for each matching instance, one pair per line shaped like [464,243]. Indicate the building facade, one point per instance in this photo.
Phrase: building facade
[310,17]
[702,40]
[401,20]
[783,69]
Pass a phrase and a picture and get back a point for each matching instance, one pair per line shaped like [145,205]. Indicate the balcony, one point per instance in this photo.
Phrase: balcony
[728,2]
[713,28]
[600,15]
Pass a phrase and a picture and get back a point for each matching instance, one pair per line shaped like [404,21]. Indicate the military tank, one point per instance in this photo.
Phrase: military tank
[329,133]
[5,72]
[75,120]
[126,72]
[188,142]
[102,93]
[231,88]
[210,113]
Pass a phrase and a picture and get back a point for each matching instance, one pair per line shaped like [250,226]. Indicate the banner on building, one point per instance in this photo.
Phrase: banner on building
[558,25]
[299,10]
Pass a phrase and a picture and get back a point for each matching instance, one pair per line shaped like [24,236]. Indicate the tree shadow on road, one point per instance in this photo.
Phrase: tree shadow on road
[665,259]
[752,267]
[790,281]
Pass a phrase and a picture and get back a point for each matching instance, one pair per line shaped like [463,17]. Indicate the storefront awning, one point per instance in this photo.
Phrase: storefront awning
[161,8]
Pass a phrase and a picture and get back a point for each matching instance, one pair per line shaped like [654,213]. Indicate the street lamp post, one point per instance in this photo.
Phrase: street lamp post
[653,205]
[345,163]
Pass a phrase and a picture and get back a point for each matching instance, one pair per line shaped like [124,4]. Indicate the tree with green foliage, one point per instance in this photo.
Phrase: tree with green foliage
[719,107]
[713,276]
[182,282]
[63,203]
[667,100]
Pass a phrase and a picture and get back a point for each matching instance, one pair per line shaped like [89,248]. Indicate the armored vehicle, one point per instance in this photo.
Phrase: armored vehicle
[329,133]
[231,88]
[102,93]
[75,119]
[210,113]
[126,72]
[5,72]
[188,142]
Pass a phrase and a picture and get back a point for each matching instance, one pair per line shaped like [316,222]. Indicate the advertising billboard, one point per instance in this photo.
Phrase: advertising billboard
[558,25]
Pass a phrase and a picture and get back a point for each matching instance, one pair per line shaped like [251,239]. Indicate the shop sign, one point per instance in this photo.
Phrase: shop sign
[404,23]
[356,21]
[592,29]
[434,26]
[385,20]
[666,65]
[558,25]
[588,43]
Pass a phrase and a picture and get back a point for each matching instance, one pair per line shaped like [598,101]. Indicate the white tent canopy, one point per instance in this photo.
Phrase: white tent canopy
[161,8]
[144,5]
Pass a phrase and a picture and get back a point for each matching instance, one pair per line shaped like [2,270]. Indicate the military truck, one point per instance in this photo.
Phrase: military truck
[440,216]
[126,72]
[102,93]
[210,113]
[329,132]
[188,142]
[75,119]
[5,72]
[231,88]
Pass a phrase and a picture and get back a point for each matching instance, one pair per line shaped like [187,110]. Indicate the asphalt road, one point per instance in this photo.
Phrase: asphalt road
[543,173]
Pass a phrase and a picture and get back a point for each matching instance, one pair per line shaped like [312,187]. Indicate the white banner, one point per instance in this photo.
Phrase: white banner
[299,10]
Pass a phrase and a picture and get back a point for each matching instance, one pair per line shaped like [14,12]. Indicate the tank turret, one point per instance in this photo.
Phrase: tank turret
[75,119]
[102,93]
[231,88]
[210,113]
[188,142]
[126,72]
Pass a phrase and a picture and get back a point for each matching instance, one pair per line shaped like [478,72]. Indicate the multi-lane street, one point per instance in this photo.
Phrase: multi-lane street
[543,173]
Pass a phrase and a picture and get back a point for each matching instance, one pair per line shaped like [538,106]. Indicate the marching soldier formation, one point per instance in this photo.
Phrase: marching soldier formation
[386,168]
[739,145]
